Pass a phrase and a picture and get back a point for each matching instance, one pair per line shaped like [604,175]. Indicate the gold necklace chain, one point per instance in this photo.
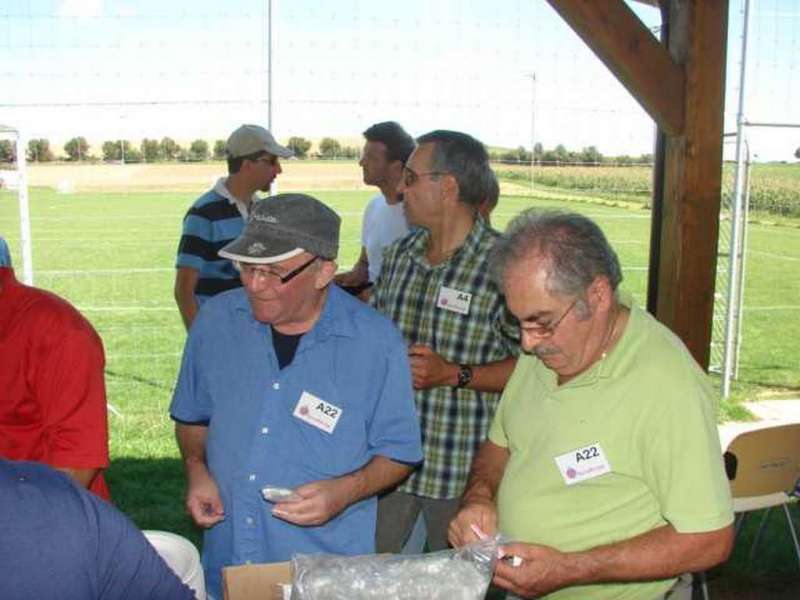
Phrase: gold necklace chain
[610,335]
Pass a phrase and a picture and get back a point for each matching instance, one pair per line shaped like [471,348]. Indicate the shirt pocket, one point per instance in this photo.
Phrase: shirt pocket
[323,454]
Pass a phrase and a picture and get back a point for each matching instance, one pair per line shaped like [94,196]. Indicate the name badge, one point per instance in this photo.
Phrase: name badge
[582,464]
[454,300]
[318,413]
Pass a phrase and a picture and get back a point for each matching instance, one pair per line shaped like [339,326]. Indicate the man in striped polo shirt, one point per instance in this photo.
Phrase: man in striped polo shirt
[218,216]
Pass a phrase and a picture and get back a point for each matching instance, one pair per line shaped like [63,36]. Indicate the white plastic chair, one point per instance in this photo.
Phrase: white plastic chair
[182,557]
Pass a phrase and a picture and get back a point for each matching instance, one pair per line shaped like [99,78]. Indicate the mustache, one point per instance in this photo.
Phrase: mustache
[542,351]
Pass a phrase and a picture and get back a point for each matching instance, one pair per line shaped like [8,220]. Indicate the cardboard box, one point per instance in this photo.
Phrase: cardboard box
[256,582]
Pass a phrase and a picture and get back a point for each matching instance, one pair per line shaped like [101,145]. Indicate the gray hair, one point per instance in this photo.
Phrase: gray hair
[573,246]
[462,156]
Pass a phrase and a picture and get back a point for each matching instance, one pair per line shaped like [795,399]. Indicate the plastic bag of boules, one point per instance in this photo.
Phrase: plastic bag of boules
[459,574]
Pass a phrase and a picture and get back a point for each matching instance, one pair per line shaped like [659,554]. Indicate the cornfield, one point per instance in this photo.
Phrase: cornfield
[774,188]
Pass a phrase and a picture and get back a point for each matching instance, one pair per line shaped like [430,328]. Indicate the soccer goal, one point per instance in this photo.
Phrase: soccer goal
[13,180]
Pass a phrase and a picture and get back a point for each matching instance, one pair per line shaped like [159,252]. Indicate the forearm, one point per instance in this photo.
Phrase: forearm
[486,474]
[84,477]
[657,554]
[490,377]
[185,284]
[377,475]
[192,444]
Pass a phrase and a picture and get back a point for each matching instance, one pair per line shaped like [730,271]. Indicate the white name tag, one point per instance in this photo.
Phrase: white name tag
[582,464]
[454,300]
[315,411]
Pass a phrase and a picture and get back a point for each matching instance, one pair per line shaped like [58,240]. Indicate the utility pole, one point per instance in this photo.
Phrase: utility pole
[533,123]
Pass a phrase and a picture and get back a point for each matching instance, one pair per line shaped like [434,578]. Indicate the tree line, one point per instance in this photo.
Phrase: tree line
[167,149]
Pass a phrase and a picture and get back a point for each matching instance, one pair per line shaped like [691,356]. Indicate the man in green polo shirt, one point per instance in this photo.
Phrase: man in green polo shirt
[603,460]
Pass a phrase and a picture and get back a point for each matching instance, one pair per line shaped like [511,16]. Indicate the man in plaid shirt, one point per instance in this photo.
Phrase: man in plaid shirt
[435,285]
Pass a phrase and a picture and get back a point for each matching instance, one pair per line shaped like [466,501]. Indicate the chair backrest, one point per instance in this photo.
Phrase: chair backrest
[764,461]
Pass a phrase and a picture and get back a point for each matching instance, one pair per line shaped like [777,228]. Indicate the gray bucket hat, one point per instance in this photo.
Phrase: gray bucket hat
[284,226]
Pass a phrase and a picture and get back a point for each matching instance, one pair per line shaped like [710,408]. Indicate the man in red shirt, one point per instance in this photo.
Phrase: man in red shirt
[52,391]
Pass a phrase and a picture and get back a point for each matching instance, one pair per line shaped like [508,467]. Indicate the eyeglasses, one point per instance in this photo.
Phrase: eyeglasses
[249,270]
[270,160]
[548,330]
[410,177]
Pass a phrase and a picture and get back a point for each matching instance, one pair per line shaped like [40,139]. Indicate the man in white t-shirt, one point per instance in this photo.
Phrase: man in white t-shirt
[385,152]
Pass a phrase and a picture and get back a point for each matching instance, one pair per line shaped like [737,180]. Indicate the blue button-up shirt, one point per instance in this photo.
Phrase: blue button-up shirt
[354,359]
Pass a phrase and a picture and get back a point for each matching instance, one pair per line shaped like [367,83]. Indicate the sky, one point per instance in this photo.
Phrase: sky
[509,72]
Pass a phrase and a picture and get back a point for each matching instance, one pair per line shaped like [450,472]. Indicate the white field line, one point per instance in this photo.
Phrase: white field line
[777,256]
[148,217]
[143,355]
[770,308]
[126,308]
[106,240]
[105,271]
[788,307]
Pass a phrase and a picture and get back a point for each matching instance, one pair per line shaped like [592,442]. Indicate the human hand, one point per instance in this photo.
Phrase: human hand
[474,521]
[318,502]
[428,369]
[203,502]
[542,570]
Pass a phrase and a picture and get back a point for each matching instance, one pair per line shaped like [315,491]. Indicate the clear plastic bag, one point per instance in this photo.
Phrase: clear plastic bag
[462,574]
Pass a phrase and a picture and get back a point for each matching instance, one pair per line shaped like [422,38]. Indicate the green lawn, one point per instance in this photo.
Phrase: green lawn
[112,255]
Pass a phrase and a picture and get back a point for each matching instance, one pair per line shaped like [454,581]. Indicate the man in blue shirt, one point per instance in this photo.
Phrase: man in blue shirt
[61,541]
[218,216]
[289,382]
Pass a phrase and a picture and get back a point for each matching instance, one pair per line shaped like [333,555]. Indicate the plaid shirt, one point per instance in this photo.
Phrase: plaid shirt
[454,421]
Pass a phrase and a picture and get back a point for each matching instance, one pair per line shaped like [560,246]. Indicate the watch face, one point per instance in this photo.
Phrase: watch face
[464,375]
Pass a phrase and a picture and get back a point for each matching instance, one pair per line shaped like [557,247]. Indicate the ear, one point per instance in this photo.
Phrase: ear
[325,274]
[450,186]
[396,168]
[599,293]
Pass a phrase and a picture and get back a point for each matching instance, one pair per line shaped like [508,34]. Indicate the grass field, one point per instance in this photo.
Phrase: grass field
[109,247]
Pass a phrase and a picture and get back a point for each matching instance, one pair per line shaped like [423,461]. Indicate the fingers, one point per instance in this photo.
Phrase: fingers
[301,512]
[472,523]
[205,512]
[314,506]
[419,350]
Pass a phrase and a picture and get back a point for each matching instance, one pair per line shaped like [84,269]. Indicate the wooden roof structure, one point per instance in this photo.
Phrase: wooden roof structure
[680,82]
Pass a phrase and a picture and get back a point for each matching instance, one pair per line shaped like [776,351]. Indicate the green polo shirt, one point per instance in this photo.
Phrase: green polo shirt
[643,421]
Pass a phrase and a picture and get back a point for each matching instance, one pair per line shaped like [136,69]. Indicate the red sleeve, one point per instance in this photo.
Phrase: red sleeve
[71,386]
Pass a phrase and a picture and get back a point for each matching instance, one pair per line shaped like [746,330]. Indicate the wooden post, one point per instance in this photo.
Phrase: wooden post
[693,177]
[683,89]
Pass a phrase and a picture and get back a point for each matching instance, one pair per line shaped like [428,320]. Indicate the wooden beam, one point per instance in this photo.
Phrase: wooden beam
[693,175]
[633,54]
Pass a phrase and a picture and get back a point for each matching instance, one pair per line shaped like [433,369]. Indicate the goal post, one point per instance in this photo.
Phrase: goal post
[14,177]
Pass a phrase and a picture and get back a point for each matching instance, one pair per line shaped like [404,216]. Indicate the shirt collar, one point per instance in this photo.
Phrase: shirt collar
[471,245]
[334,320]
[614,361]
[221,189]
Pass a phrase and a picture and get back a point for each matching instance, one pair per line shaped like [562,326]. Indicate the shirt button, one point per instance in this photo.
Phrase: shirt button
[276,385]
[249,520]
[265,430]
[252,476]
